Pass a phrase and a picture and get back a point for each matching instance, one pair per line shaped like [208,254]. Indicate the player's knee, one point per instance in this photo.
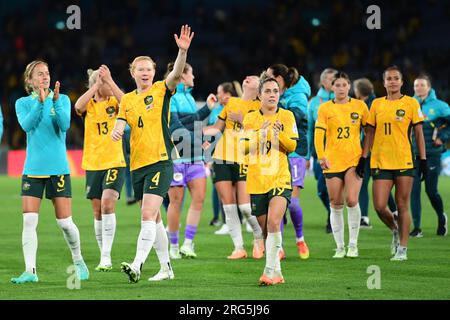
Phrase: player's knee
[351,201]
[108,206]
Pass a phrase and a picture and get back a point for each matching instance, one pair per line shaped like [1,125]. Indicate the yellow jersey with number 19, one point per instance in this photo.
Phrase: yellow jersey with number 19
[268,164]
[393,121]
[342,124]
[148,113]
[100,152]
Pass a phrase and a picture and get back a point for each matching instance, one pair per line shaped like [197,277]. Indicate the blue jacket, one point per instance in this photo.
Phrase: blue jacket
[295,99]
[184,109]
[321,97]
[437,117]
[1,124]
[46,125]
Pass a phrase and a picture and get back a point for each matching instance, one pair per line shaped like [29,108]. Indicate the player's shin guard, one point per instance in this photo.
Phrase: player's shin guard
[29,240]
[145,243]
[354,220]
[234,225]
[72,236]
[337,224]
[246,210]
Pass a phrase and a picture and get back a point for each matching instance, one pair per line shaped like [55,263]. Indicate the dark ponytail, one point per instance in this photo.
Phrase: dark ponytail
[289,75]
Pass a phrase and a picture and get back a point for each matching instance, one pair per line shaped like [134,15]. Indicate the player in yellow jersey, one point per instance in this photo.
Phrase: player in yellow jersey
[337,141]
[103,158]
[146,110]
[271,134]
[392,119]
[230,170]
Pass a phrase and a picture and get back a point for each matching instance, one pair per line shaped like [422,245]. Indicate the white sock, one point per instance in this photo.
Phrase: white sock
[98,232]
[354,219]
[301,239]
[246,211]
[161,246]
[29,240]
[187,242]
[337,225]
[234,225]
[273,245]
[108,232]
[72,236]
[145,243]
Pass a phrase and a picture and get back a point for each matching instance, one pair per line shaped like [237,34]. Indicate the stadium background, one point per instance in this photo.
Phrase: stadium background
[233,39]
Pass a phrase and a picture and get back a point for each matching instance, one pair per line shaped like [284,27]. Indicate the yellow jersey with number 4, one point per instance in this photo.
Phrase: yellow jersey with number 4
[227,147]
[393,121]
[148,113]
[268,164]
[100,152]
[342,124]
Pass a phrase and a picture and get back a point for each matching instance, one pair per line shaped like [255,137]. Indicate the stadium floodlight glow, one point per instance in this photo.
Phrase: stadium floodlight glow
[315,22]
[60,25]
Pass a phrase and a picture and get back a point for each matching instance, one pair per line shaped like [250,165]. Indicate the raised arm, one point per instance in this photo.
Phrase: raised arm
[106,77]
[183,43]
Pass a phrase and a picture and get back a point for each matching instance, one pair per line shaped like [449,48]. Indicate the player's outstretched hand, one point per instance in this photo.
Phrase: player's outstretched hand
[184,41]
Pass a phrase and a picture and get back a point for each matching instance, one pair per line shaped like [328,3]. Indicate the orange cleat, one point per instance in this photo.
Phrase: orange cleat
[278,280]
[281,254]
[238,254]
[265,280]
[258,249]
[303,250]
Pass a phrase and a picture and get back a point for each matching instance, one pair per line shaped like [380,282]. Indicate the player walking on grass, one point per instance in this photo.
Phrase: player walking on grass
[103,158]
[295,91]
[338,146]
[271,134]
[45,117]
[230,168]
[146,110]
[391,121]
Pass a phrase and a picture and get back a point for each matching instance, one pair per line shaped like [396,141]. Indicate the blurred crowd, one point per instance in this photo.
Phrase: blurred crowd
[233,39]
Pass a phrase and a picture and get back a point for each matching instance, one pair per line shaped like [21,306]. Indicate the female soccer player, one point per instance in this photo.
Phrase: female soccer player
[146,110]
[230,168]
[338,146]
[271,135]
[436,130]
[45,117]
[103,158]
[391,121]
[189,169]
[295,91]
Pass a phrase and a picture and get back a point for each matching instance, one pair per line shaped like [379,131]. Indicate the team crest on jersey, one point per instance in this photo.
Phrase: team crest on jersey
[110,111]
[177,176]
[400,113]
[26,186]
[355,117]
[148,100]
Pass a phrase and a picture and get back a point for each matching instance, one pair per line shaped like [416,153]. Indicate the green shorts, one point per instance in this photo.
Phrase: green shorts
[233,172]
[340,175]
[153,179]
[99,180]
[260,202]
[55,186]
[380,174]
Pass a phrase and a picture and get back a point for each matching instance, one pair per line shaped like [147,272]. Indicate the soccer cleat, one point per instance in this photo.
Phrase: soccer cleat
[215,222]
[174,253]
[278,280]
[352,252]
[303,250]
[265,280]
[25,278]
[81,270]
[365,224]
[187,251]
[399,256]
[224,230]
[340,253]
[281,254]
[133,275]
[238,254]
[103,268]
[416,233]
[442,227]
[163,275]
[258,249]
[395,243]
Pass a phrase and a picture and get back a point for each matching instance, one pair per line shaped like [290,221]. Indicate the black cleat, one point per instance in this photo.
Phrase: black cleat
[416,233]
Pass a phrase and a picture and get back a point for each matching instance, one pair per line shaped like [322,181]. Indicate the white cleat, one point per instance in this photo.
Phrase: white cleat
[224,230]
[400,257]
[174,253]
[352,252]
[163,275]
[340,253]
